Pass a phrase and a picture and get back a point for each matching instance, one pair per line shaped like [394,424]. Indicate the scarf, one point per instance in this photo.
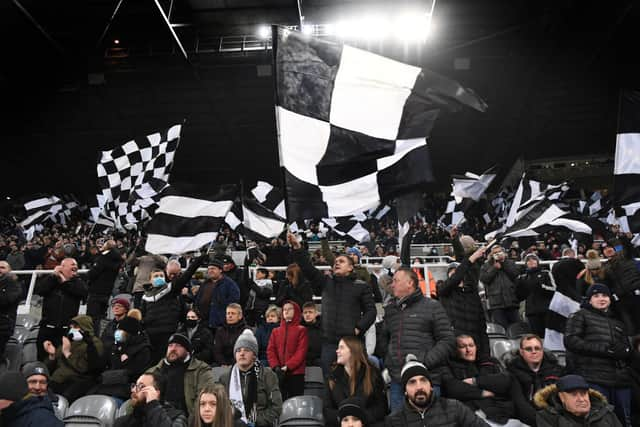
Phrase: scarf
[154,294]
[247,411]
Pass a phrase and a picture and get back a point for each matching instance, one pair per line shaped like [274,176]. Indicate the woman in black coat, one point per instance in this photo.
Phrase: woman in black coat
[200,336]
[353,376]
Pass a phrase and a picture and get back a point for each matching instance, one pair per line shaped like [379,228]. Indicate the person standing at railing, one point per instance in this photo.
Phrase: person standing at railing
[102,276]
[10,293]
[62,292]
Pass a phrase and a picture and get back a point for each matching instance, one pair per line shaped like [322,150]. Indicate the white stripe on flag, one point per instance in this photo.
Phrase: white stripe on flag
[627,149]
[563,305]
[573,225]
[261,191]
[160,244]
[340,198]
[266,227]
[189,207]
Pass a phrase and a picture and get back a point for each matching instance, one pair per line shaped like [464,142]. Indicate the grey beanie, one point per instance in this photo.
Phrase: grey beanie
[246,340]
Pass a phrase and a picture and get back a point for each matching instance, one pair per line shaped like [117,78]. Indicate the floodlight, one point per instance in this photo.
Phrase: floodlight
[264,32]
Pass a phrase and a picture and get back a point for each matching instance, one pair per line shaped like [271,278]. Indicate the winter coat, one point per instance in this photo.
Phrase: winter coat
[537,287]
[102,275]
[299,294]
[32,411]
[463,305]
[201,340]
[10,296]
[314,348]
[224,341]
[224,292]
[153,414]
[138,351]
[440,413]
[347,303]
[85,358]
[61,301]
[488,377]
[565,273]
[471,275]
[258,296]
[622,275]
[375,405]
[197,376]
[418,326]
[288,344]
[528,382]
[499,284]
[590,338]
[263,333]
[552,413]
[268,400]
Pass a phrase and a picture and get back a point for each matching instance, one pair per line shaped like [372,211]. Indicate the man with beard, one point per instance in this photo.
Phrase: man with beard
[422,407]
[186,375]
[150,409]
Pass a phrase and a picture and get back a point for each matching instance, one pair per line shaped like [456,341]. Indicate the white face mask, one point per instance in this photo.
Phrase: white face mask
[75,334]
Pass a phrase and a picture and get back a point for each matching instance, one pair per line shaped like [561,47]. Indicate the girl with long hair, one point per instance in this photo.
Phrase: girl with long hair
[214,409]
[296,288]
[354,376]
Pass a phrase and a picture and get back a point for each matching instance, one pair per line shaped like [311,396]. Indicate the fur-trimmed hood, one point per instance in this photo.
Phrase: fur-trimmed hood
[548,397]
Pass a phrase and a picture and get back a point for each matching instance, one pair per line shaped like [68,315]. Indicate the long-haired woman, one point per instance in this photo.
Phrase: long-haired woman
[354,376]
[296,288]
[214,409]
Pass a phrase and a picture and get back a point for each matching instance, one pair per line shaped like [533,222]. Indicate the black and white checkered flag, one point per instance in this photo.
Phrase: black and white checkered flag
[351,227]
[352,125]
[41,209]
[133,175]
[626,169]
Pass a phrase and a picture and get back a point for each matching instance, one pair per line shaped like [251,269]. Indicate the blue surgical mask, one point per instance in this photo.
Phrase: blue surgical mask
[159,281]
[118,336]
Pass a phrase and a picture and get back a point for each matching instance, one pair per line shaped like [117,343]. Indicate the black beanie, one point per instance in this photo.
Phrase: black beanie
[129,325]
[182,340]
[411,369]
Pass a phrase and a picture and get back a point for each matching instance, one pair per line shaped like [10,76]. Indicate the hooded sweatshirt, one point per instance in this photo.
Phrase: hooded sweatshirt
[288,344]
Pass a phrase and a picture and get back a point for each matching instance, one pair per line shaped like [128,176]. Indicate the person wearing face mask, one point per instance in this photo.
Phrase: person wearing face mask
[130,356]
[75,363]
[199,335]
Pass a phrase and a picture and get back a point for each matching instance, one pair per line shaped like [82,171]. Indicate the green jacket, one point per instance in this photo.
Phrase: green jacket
[197,376]
[269,400]
[83,360]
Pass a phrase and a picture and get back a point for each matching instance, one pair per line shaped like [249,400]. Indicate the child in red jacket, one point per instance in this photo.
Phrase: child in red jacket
[287,351]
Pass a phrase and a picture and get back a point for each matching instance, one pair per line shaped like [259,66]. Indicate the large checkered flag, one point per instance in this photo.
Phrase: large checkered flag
[133,175]
[626,170]
[253,220]
[352,125]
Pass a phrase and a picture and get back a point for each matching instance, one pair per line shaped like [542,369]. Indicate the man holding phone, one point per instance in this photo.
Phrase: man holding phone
[498,274]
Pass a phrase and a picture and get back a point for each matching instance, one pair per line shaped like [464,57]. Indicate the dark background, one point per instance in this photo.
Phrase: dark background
[550,71]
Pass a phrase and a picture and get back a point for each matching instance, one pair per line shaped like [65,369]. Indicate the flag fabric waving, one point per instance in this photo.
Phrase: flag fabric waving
[353,125]
[253,220]
[133,175]
[626,169]
[471,186]
[185,220]
[41,209]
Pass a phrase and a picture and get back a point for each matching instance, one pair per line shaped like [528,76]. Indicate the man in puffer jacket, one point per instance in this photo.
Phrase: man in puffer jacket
[75,364]
[498,275]
[287,351]
[536,286]
[423,408]
[623,277]
[598,349]
[570,403]
[415,325]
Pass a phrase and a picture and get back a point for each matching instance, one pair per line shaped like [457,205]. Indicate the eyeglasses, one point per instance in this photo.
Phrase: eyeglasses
[137,387]
[531,349]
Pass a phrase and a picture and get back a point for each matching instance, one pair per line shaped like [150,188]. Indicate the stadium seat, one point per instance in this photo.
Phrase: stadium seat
[301,411]
[61,406]
[26,320]
[30,348]
[499,347]
[313,381]
[218,371]
[495,330]
[21,333]
[13,354]
[124,409]
[561,356]
[518,329]
[94,409]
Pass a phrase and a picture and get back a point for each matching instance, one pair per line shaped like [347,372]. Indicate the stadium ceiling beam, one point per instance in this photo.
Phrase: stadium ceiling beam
[55,44]
[165,17]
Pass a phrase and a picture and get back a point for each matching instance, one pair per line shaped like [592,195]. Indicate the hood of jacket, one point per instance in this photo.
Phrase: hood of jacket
[297,314]
[84,322]
[548,398]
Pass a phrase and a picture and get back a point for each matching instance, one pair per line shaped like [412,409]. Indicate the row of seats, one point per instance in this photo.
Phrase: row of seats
[515,330]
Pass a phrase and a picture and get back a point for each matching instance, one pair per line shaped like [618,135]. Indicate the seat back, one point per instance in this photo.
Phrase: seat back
[304,409]
[495,330]
[27,321]
[499,347]
[101,407]
[217,372]
[13,354]
[313,381]
[20,333]
[518,329]
[60,407]
[124,409]
[82,421]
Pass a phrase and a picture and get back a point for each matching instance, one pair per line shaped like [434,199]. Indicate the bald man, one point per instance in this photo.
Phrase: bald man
[10,295]
[62,292]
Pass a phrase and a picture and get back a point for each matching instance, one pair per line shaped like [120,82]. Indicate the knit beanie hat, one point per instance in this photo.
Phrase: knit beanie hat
[411,369]
[598,288]
[533,256]
[593,260]
[14,386]
[35,368]
[246,340]
[351,406]
[129,325]
[181,340]
[468,243]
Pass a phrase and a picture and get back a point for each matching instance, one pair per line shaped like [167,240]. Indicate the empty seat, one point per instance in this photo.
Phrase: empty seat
[496,330]
[82,421]
[218,371]
[60,406]
[302,411]
[92,407]
[518,329]
[313,381]
[13,354]
[30,351]
[21,333]
[499,347]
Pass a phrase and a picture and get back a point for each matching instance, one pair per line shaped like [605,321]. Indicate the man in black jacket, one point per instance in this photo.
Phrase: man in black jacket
[498,275]
[311,320]
[478,384]
[62,292]
[532,369]
[347,303]
[423,408]
[415,325]
[102,276]
[18,408]
[149,407]
[623,277]
[10,294]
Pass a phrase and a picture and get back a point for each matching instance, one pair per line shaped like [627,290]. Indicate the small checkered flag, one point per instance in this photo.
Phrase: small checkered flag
[133,175]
